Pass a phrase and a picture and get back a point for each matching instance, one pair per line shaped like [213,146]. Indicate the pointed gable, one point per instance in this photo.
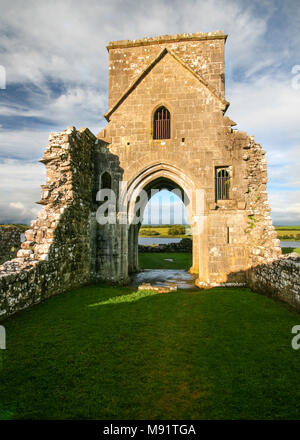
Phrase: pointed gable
[148,69]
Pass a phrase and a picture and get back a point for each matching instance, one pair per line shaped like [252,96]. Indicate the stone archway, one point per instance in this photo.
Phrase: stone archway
[158,176]
[192,145]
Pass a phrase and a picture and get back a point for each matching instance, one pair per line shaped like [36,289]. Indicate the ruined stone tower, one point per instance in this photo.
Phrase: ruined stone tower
[166,129]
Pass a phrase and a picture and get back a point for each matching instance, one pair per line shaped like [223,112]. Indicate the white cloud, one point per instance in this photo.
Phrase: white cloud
[63,42]
[279,201]
[66,40]
[20,189]
[17,205]
[267,106]
[23,144]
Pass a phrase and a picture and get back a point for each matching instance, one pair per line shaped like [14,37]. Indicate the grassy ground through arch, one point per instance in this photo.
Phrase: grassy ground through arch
[113,353]
[157,260]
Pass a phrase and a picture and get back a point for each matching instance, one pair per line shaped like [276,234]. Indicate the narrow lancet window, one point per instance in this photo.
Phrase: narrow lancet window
[162,124]
[222,184]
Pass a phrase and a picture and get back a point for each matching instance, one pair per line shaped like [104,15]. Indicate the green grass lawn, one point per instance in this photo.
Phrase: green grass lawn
[286,250]
[114,353]
[152,260]
[149,260]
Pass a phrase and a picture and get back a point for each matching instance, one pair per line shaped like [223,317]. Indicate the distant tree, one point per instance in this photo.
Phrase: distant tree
[148,232]
[176,230]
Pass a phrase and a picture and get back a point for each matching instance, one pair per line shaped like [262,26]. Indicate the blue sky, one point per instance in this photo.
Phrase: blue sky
[54,54]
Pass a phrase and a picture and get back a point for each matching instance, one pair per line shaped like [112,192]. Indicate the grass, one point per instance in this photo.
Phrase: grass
[291,233]
[152,260]
[287,228]
[149,260]
[114,353]
[286,250]
[162,231]
[20,226]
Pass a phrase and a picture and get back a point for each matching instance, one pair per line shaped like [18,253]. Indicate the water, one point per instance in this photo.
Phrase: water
[165,277]
[160,240]
[157,240]
[290,244]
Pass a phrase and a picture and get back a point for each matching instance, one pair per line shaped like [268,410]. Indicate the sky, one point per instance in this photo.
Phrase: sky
[54,67]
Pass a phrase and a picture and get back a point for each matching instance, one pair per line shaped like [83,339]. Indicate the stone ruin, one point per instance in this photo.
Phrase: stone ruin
[10,241]
[166,129]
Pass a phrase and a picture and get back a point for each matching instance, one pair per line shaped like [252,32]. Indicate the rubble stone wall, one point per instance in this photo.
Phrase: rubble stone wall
[9,242]
[229,236]
[109,243]
[280,279]
[263,244]
[56,254]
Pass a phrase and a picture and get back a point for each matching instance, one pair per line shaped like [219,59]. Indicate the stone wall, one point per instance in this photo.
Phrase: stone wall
[279,278]
[202,52]
[67,247]
[9,242]
[56,254]
[185,74]
[264,246]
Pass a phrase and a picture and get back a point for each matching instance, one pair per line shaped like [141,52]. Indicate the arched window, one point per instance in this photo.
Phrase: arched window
[106,181]
[105,184]
[222,183]
[162,124]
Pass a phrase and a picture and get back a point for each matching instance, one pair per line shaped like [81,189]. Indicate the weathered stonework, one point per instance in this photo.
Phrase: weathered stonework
[185,73]
[279,279]
[55,255]
[9,242]
[67,247]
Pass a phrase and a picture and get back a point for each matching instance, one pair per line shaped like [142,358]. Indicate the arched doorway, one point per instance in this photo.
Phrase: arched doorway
[157,177]
[161,184]
[165,240]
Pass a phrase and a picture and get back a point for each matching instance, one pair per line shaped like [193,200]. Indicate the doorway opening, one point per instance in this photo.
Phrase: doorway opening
[162,238]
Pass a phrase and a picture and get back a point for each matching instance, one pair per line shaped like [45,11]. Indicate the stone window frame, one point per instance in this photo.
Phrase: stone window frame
[101,180]
[218,169]
[101,183]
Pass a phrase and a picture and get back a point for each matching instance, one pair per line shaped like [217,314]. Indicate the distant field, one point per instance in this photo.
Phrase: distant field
[153,260]
[289,233]
[161,231]
[21,227]
[286,250]
[287,228]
